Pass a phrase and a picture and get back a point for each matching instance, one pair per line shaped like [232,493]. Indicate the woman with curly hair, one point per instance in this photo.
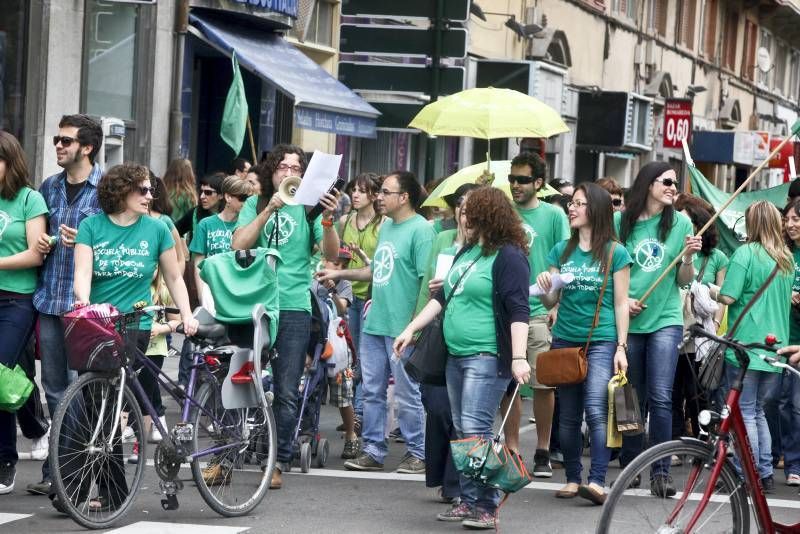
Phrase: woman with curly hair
[485,329]
[586,256]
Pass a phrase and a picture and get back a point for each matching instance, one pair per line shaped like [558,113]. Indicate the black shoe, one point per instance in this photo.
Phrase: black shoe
[541,464]
[8,475]
[768,484]
[39,488]
[661,486]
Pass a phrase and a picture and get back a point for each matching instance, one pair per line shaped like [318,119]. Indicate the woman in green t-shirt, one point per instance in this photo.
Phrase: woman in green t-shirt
[22,221]
[485,329]
[585,255]
[789,403]
[654,234]
[748,271]
[710,265]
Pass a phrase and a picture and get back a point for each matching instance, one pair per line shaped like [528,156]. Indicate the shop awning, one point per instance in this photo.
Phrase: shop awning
[321,101]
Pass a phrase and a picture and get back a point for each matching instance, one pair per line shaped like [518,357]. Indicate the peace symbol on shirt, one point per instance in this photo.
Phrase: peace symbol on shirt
[649,255]
[382,265]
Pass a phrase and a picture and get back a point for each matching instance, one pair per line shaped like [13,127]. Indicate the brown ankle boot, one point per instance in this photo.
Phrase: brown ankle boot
[277,479]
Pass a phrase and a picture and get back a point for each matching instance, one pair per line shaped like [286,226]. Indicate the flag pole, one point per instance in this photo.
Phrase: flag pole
[252,141]
[795,130]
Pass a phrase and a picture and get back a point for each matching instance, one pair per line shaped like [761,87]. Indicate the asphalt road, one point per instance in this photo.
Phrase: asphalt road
[331,500]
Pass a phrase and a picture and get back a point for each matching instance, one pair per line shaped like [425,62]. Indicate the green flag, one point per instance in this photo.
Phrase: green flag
[234,116]
[730,224]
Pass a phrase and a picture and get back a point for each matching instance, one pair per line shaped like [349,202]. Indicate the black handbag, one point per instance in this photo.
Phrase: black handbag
[627,413]
[428,360]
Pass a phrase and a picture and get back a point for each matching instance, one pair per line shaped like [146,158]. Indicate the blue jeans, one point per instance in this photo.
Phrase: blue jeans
[17,317]
[355,322]
[294,329]
[377,362]
[475,391]
[758,389]
[591,397]
[652,359]
[790,409]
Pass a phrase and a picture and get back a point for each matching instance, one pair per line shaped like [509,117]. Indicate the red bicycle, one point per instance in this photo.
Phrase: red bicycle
[708,494]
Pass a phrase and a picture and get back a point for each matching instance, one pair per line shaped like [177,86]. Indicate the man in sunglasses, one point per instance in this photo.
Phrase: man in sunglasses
[545,225]
[616,192]
[71,196]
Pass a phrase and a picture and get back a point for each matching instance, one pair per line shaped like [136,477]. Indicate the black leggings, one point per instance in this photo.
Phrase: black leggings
[149,382]
[688,398]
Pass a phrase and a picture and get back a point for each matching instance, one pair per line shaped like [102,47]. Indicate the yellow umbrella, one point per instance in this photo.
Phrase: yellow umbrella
[489,113]
[475,174]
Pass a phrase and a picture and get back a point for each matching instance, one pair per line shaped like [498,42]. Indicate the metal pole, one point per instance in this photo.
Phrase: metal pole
[438,27]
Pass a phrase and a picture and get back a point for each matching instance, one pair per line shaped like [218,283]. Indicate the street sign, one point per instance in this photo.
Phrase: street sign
[396,115]
[455,10]
[405,40]
[677,121]
[399,77]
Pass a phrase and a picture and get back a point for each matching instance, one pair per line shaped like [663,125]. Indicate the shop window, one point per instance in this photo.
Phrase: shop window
[708,42]
[320,26]
[13,24]
[686,23]
[110,59]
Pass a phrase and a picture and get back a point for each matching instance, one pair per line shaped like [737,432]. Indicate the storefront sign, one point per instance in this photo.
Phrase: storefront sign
[761,146]
[781,159]
[677,122]
[275,10]
[327,121]
[287,7]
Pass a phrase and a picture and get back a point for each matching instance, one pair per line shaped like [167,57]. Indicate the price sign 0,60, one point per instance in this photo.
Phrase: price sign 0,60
[677,122]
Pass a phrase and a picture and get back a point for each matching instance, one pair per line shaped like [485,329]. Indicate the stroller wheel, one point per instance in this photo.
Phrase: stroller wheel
[323,449]
[305,457]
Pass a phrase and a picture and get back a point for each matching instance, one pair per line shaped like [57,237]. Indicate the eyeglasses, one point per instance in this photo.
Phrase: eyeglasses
[64,140]
[207,192]
[616,202]
[576,204]
[386,192]
[520,179]
[667,182]
[297,169]
[144,190]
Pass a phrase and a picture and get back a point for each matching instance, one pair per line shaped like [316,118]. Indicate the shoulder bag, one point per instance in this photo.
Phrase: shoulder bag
[710,373]
[426,364]
[562,367]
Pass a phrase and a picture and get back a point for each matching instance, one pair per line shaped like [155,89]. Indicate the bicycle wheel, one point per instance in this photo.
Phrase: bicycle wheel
[235,477]
[92,478]
[649,509]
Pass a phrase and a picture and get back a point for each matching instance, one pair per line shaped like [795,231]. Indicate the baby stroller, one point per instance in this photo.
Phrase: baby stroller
[307,443]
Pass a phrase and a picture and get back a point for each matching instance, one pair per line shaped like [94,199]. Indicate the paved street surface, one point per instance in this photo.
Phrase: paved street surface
[331,500]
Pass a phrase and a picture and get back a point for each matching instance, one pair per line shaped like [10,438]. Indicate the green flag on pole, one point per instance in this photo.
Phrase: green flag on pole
[234,116]
[730,224]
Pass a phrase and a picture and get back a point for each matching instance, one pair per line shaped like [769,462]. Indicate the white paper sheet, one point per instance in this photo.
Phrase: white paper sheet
[322,171]
[558,281]
[443,264]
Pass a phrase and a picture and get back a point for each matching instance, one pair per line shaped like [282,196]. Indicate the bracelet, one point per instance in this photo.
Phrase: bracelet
[683,261]
[519,357]
[327,223]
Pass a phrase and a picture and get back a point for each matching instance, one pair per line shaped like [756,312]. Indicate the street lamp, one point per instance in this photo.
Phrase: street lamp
[523,31]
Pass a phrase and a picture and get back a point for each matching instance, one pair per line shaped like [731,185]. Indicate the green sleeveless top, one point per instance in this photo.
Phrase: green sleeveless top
[366,240]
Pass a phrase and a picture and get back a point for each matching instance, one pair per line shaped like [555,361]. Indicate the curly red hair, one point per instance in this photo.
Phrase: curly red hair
[491,215]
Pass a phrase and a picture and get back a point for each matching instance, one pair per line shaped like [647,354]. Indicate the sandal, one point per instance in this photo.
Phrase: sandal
[591,493]
[567,492]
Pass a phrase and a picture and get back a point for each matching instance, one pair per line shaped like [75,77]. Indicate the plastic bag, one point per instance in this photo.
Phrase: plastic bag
[613,435]
[15,388]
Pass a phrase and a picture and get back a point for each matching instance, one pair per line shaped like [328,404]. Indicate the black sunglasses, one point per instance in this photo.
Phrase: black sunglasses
[616,202]
[668,182]
[520,179]
[208,192]
[144,190]
[64,140]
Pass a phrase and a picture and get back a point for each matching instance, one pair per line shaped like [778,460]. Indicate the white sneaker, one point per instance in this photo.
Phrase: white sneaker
[793,480]
[155,434]
[676,460]
[40,447]
[128,435]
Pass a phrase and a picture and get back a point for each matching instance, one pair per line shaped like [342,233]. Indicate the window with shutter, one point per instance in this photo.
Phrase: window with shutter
[730,36]
[686,23]
[749,55]
[709,41]
[661,8]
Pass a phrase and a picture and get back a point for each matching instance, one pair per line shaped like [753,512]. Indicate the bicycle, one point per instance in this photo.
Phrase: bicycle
[710,496]
[226,430]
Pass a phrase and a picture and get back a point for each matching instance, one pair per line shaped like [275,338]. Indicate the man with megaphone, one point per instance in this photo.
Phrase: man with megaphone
[270,220]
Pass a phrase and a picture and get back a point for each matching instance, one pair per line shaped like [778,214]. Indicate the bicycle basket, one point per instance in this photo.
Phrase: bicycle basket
[92,339]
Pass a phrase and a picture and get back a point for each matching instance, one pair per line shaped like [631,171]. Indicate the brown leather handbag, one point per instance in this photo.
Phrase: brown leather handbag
[563,367]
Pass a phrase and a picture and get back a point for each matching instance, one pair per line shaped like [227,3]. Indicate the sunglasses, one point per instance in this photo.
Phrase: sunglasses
[520,179]
[616,202]
[207,192]
[667,182]
[144,190]
[64,140]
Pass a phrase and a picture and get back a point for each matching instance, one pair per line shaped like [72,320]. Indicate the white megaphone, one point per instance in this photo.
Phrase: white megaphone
[287,190]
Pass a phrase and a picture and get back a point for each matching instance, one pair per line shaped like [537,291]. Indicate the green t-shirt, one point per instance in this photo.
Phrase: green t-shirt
[650,258]
[366,240]
[293,241]
[544,225]
[213,236]
[443,244]
[748,269]
[124,259]
[27,205]
[579,297]
[717,260]
[794,315]
[397,268]
[166,219]
[469,318]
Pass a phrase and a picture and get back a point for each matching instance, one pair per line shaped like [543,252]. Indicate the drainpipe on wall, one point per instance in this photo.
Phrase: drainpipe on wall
[176,113]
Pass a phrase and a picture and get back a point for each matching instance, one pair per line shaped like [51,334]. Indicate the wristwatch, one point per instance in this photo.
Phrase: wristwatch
[624,345]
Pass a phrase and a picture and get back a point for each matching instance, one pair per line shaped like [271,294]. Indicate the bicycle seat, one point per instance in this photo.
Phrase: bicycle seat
[209,330]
